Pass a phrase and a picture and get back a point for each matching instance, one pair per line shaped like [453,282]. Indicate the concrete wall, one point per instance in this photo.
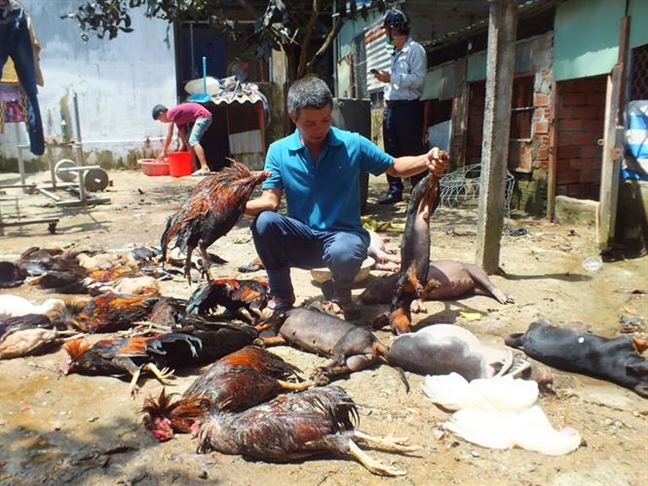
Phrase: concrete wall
[117,82]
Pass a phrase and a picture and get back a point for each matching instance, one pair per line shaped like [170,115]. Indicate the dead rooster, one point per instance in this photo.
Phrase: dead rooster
[314,422]
[128,356]
[109,312]
[235,382]
[241,298]
[212,209]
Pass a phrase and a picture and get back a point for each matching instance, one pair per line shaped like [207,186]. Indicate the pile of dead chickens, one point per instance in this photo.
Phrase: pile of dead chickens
[248,401]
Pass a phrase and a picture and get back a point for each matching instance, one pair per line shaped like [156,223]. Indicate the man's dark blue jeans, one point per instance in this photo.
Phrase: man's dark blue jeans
[282,242]
[15,41]
[402,135]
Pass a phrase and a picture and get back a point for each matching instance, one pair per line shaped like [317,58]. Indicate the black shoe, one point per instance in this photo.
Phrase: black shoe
[390,198]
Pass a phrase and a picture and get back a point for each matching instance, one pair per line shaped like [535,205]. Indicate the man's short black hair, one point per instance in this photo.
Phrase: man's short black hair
[157,109]
[308,92]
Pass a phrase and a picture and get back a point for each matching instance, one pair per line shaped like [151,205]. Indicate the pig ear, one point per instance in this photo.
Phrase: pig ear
[515,340]
[381,321]
[638,366]
[639,344]
[642,390]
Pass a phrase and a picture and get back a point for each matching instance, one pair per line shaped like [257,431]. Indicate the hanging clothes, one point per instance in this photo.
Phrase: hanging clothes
[13,105]
[16,41]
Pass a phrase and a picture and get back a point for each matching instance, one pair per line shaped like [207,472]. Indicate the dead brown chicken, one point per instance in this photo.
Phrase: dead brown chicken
[109,312]
[235,382]
[212,209]
[295,426]
[240,298]
[28,335]
[129,356]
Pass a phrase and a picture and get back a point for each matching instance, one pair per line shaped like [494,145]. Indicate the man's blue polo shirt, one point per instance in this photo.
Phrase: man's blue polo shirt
[324,194]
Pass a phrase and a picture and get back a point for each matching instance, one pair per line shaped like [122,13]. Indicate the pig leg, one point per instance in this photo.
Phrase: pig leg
[355,351]
[324,374]
[418,307]
[483,285]
[272,341]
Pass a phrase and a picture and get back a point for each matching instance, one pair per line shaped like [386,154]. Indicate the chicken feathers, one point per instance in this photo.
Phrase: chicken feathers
[212,209]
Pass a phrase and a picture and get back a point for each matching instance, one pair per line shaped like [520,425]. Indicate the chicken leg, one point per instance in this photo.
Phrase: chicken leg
[374,466]
[160,374]
[285,385]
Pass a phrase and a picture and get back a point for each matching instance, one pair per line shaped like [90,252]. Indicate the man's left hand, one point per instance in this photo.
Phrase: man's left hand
[437,161]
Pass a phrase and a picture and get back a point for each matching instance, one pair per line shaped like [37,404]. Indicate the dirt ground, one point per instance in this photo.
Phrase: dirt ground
[87,430]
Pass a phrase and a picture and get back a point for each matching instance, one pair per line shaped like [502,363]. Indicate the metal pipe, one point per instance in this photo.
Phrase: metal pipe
[191,43]
[77,124]
[21,161]
[95,142]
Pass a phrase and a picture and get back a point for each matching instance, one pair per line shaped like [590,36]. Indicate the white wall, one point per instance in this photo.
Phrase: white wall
[117,81]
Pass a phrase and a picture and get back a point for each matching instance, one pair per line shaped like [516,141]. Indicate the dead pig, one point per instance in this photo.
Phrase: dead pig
[617,360]
[445,348]
[455,279]
[412,280]
[352,348]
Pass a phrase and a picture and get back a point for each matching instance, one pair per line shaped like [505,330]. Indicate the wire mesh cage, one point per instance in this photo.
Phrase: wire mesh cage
[463,185]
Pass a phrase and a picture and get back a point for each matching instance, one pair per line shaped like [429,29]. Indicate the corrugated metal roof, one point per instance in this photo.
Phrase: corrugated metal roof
[434,22]
[241,96]
[377,55]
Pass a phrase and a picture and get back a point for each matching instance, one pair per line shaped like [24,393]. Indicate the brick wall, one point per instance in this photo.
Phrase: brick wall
[580,113]
[475,125]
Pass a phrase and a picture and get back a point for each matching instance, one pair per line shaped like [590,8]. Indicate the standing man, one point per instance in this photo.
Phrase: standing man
[403,119]
[318,168]
[181,115]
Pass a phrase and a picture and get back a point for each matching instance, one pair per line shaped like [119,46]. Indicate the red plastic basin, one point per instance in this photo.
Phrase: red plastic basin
[153,167]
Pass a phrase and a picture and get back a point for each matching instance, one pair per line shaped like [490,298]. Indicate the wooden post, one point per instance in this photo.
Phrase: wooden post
[497,118]
[552,166]
[612,144]
[611,170]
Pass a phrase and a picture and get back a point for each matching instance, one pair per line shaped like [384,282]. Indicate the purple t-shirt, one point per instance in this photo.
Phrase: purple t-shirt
[186,113]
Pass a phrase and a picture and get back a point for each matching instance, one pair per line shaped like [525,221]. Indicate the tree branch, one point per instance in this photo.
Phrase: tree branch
[327,43]
[310,27]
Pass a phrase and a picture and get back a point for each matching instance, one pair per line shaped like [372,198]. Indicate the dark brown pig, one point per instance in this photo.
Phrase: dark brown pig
[455,280]
[412,282]
[352,348]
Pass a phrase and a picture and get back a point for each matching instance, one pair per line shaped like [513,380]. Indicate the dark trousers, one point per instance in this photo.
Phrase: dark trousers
[402,135]
[15,41]
[282,242]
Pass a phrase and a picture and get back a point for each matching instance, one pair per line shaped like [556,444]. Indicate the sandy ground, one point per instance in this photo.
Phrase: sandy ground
[87,430]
